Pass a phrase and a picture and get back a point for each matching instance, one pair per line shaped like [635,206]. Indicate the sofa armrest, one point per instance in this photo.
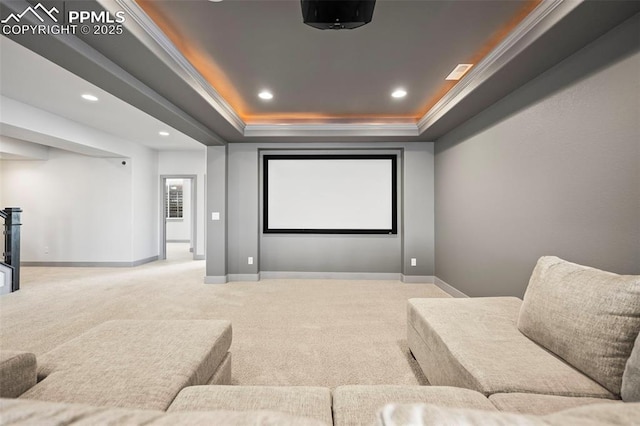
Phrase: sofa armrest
[17,373]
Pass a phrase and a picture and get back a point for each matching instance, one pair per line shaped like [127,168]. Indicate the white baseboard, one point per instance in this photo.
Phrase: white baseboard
[449,288]
[418,279]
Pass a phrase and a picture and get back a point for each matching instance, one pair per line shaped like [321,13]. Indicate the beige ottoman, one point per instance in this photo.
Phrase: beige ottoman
[134,364]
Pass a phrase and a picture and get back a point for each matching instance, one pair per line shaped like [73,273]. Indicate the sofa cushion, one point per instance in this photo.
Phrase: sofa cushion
[533,403]
[25,412]
[630,390]
[474,343]
[358,404]
[433,415]
[17,373]
[302,401]
[130,363]
[588,317]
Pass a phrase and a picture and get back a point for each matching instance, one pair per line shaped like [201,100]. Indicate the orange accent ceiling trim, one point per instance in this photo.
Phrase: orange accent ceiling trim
[481,53]
[215,76]
[304,118]
[200,60]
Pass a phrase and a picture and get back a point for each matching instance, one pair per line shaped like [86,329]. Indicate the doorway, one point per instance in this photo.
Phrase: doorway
[178,218]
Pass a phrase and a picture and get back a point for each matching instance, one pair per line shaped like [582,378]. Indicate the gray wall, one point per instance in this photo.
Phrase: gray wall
[324,253]
[554,168]
[216,194]
[334,253]
[244,216]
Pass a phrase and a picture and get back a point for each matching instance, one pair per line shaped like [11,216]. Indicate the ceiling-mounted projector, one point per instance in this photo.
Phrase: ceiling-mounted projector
[337,14]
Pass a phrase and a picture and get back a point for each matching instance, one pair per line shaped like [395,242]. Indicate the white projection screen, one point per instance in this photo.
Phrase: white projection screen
[330,194]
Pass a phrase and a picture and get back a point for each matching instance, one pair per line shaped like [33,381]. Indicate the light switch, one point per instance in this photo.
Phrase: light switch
[250,261]
[215,216]
[414,261]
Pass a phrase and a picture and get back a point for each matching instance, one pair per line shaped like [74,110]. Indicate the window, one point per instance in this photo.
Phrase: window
[173,199]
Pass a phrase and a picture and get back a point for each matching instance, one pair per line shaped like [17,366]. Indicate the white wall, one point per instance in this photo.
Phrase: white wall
[84,208]
[175,163]
[145,202]
[78,207]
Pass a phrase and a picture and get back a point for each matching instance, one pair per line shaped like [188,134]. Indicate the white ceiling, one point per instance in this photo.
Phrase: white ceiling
[34,80]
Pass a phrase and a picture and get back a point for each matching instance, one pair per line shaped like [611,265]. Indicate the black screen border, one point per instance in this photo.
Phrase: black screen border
[394,194]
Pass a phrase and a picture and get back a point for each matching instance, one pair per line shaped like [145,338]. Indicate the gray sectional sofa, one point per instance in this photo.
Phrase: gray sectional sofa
[568,354]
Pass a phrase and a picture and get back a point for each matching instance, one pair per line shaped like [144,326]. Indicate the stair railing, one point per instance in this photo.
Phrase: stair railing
[11,216]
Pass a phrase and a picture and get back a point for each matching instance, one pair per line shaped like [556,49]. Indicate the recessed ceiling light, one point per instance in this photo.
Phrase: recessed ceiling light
[163,133]
[399,93]
[89,97]
[215,1]
[266,95]
[459,71]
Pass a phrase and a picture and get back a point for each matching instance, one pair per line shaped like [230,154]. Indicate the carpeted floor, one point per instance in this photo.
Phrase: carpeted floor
[285,332]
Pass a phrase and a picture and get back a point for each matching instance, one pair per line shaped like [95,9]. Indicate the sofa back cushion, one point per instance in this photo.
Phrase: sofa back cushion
[25,412]
[588,317]
[436,415]
[631,376]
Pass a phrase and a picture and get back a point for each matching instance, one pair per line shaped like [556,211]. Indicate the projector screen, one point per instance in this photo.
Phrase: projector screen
[330,194]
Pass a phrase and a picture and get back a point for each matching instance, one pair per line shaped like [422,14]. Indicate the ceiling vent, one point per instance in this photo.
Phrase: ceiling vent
[459,71]
[337,15]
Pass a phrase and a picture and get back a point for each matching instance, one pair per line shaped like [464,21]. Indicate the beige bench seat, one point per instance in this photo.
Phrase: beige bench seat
[135,364]
[475,344]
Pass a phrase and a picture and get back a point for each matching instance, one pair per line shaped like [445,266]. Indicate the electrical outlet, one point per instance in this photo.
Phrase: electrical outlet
[414,261]
[250,261]
[46,250]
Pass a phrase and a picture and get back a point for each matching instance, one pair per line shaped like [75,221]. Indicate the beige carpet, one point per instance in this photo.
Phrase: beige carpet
[285,332]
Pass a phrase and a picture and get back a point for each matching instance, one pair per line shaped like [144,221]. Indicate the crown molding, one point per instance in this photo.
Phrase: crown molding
[329,130]
[146,30]
[543,17]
